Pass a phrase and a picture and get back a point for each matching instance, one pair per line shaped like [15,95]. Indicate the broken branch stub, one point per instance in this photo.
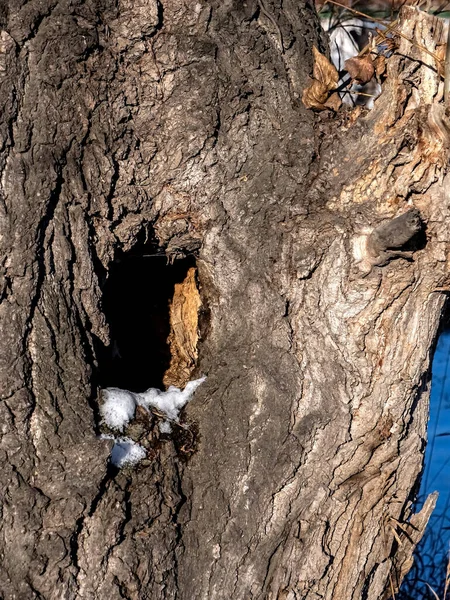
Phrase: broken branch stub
[386,239]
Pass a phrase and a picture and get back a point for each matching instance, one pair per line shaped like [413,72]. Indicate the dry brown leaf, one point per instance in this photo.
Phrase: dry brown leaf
[440,51]
[315,95]
[324,71]
[334,102]
[360,68]
[325,79]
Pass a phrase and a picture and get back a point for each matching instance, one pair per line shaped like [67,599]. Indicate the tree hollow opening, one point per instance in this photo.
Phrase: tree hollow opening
[138,302]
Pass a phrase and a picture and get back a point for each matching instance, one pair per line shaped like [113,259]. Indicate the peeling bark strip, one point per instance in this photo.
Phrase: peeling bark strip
[181,121]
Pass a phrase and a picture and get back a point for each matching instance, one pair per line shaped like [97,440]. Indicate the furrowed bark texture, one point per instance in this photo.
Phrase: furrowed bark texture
[182,122]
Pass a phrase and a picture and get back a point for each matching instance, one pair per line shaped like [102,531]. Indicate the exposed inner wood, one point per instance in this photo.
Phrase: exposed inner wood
[183,337]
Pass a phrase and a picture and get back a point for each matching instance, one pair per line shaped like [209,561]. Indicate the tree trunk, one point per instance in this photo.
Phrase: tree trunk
[132,130]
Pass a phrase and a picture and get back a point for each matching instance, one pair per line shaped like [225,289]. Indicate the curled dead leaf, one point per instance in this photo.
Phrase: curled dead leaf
[324,71]
[439,53]
[334,102]
[360,68]
[325,79]
[315,95]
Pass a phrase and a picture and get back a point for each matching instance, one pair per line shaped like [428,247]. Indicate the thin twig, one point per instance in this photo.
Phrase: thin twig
[447,576]
[441,8]
[356,12]
[391,583]
[381,36]
[447,70]
[359,93]
[432,591]
[405,37]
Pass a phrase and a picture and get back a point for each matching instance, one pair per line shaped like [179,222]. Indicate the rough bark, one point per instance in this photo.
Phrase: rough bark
[181,122]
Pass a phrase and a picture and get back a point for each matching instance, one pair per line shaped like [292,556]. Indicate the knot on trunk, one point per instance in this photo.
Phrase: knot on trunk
[384,243]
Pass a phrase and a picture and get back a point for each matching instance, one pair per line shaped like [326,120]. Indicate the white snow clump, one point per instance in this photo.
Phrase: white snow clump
[125,452]
[165,427]
[170,402]
[119,406]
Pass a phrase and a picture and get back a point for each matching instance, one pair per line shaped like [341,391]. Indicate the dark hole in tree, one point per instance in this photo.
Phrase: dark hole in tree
[136,302]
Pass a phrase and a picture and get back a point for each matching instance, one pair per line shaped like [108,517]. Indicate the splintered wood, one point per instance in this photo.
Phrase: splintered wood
[409,151]
[183,335]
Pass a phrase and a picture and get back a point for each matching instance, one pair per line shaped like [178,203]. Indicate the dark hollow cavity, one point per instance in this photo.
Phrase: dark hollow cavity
[136,303]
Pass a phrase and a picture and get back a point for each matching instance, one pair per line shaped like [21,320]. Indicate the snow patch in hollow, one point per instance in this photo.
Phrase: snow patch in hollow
[165,427]
[125,451]
[170,402]
[119,406]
